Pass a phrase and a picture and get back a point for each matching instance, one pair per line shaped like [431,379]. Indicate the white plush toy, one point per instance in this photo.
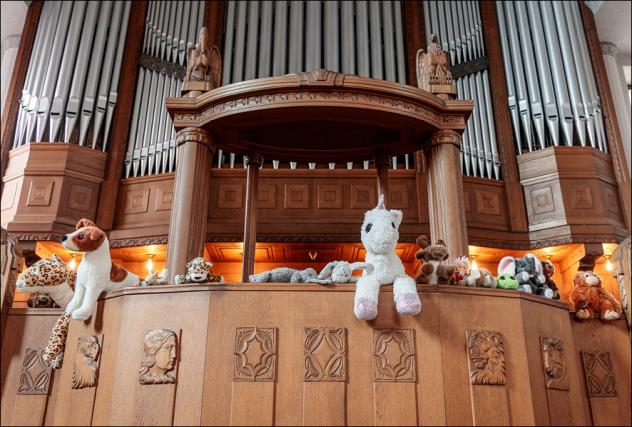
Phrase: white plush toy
[156,279]
[379,237]
[340,272]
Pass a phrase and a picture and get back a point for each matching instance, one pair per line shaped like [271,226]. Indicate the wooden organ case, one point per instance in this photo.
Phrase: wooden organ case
[276,167]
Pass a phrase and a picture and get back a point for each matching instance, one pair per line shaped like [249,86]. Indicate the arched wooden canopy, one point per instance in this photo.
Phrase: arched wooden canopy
[317,116]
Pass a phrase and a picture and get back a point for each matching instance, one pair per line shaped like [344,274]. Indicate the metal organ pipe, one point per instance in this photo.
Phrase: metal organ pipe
[560,83]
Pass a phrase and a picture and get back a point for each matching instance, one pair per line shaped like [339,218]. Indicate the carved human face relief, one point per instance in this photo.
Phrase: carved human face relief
[165,356]
[160,357]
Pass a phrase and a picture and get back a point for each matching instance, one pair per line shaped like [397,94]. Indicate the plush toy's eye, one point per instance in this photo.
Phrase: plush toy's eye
[512,278]
[80,237]
[393,224]
[368,227]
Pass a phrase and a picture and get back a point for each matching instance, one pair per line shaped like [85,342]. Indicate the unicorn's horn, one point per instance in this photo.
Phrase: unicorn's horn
[380,202]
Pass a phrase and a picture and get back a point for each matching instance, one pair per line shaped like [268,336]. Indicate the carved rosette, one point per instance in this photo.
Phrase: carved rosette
[599,374]
[554,361]
[35,376]
[394,355]
[325,354]
[85,371]
[486,357]
[255,354]
[444,136]
[193,134]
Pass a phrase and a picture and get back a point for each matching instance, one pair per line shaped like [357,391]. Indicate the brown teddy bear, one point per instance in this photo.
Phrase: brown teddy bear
[589,297]
[434,270]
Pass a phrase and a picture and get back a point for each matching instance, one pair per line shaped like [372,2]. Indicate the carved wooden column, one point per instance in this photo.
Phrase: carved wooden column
[445,191]
[250,221]
[381,164]
[187,229]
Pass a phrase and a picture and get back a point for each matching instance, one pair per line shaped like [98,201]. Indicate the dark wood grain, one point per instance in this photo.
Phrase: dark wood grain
[414,30]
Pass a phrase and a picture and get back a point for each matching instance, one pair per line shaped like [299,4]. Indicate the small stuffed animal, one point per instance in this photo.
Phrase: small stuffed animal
[155,279]
[379,236]
[527,270]
[588,297]
[481,278]
[548,288]
[284,275]
[96,272]
[434,270]
[50,280]
[198,271]
[340,272]
[507,281]
[461,270]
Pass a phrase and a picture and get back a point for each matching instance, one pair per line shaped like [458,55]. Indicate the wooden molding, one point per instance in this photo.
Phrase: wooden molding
[12,103]
[502,121]
[613,133]
[122,115]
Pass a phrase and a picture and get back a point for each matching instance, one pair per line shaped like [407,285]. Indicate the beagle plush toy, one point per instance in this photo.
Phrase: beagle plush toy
[96,272]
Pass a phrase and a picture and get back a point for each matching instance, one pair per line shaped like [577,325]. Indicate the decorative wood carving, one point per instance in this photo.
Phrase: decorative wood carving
[80,197]
[542,200]
[469,67]
[581,197]
[40,193]
[266,196]
[164,198]
[394,355]
[487,202]
[554,360]
[363,196]
[137,201]
[85,371]
[329,196]
[600,379]
[398,196]
[204,67]
[486,357]
[296,196]
[230,196]
[158,65]
[160,357]
[433,70]
[255,354]
[325,354]
[35,377]
[8,195]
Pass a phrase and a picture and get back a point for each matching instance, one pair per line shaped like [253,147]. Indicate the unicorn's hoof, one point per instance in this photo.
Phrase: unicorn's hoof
[408,304]
[365,309]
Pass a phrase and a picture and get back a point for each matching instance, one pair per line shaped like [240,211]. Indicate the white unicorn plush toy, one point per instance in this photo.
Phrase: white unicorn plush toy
[379,237]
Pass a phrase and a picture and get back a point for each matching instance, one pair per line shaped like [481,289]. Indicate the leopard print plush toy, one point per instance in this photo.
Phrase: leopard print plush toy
[54,352]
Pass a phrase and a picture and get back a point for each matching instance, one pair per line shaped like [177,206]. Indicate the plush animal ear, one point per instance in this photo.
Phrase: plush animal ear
[96,233]
[326,272]
[537,262]
[361,266]
[440,242]
[209,264]
[56,259]
[423,242]
[507,265]
[397,216]
[84,223]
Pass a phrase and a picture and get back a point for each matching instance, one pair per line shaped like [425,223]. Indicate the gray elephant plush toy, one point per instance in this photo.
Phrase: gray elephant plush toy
[283,275]
[340,272]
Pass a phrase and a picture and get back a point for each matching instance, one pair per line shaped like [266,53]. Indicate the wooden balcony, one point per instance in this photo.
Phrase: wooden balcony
[327,367]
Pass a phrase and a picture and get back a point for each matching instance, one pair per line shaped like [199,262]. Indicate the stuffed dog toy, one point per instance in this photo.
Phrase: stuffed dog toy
[96,272]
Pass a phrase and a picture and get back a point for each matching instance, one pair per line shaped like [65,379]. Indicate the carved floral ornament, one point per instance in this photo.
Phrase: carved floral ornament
[325,354]
[193,134]
[255,354]
[599,373]
[394,355]
[36,375]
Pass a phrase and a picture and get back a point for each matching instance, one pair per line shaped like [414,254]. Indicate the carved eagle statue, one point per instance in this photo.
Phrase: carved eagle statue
[204,63]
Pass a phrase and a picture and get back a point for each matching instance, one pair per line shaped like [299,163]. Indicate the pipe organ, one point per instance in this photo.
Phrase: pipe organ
[551,87]
[458,25]
[73,75]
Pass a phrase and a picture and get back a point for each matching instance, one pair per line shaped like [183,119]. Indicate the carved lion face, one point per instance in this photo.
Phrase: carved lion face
[487,362]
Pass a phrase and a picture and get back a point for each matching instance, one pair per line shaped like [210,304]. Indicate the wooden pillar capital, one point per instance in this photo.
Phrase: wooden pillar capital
[193,134]
[254,159]
[444,136]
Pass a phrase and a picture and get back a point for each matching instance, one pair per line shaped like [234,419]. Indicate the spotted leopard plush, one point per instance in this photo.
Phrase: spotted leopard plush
[51,277]
[54,352]
[198,271]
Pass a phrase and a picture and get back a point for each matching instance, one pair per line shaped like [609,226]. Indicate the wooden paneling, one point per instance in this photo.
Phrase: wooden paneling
[241,366]
[12,103]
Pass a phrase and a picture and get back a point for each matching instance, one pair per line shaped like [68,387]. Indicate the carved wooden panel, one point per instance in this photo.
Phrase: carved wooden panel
[486,357]
[80,197]
[329,196]
[160,356]
[363,197]
[394,355]
[612,200]
[137,201]
[554,361]
[86,369]
[8,194]
[325,354]
[40,193]
[542,200]
[35,377]
[255,354]
[266,196]
[487,202]
[599,374]
[581,197]
[398,196]
[467,205]
[164,198]
[296,196]
[230,196]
